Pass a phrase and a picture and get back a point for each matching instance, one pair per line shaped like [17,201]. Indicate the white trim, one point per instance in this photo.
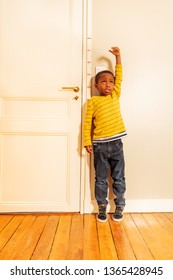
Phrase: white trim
[137,205]
[87,22]
[132,206]
[149,205]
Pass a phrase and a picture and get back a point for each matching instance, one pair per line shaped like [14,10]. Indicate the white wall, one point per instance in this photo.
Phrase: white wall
[143,31]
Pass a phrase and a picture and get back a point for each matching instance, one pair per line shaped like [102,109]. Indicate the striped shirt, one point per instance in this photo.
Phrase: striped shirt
[103,121]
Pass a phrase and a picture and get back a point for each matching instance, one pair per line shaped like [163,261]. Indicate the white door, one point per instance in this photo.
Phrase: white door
[40,52]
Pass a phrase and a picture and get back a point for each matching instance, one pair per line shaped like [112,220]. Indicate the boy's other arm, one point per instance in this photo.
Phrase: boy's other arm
[88,127]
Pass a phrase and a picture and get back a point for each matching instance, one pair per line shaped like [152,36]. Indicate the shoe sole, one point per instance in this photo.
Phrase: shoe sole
[117,220]
[102,221]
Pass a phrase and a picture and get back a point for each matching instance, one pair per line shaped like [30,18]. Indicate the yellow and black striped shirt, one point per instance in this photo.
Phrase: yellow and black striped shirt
[103,121]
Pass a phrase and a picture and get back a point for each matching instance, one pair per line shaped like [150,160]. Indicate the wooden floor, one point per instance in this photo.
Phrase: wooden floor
[80,237]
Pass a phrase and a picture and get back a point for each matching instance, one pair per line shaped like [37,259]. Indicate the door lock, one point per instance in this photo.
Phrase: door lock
[76,97]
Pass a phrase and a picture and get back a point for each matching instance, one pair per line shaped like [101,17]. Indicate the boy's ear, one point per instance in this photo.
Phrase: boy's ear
[95,85]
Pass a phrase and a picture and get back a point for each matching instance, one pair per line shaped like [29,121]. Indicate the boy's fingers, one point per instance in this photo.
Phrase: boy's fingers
[88,149]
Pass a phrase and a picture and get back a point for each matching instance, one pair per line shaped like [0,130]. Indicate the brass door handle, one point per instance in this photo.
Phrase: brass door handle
[76,89]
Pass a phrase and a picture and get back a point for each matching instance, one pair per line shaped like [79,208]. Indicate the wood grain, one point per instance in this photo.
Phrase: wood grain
[73,236]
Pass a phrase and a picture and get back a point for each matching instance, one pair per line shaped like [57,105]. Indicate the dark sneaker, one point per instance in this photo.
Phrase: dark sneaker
[102,217]
[118,215]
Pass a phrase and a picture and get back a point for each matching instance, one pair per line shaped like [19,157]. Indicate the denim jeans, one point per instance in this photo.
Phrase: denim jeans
[109,155]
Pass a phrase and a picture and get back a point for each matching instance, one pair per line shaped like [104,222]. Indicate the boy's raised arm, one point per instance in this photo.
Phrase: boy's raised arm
[116,51]
[118,71]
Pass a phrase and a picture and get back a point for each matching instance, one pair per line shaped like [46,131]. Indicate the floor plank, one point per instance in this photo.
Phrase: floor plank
[73,236]
[61,241]
[91,244]
[75,248]
[106,243]
[4,220]
[169,216]
[136,240]
[149,236]
[14,244]
[9,230]
[162,239]
[31,238]
[42,251]
[164,221]
[122,243]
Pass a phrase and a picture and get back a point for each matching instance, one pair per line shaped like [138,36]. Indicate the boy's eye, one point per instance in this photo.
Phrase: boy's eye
[111,82]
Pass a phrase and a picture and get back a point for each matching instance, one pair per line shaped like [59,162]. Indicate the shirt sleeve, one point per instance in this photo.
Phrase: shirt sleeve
[88,124]
[118,80]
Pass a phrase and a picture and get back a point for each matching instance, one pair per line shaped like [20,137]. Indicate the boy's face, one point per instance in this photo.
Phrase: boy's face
[105,84]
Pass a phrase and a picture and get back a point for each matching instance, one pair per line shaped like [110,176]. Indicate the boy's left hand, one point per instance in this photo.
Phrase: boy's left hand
[115,51]
[89,149]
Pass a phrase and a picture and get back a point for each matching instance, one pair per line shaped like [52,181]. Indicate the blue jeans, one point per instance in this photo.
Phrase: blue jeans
[109,155]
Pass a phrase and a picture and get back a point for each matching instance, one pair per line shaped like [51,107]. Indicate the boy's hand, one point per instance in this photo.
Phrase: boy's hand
[88,149]
[115,51]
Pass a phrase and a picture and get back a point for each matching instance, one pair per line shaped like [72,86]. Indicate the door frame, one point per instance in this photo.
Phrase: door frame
[86,90]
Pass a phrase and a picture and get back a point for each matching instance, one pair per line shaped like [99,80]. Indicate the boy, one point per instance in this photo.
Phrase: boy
[103,129]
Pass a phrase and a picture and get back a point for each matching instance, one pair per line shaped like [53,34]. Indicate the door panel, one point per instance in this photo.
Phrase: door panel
[41,52]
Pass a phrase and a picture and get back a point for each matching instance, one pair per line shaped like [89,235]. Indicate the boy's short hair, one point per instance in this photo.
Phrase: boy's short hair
[99,74]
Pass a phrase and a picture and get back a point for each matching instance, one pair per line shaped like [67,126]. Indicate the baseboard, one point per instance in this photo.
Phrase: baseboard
[144,205]
[141,205]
